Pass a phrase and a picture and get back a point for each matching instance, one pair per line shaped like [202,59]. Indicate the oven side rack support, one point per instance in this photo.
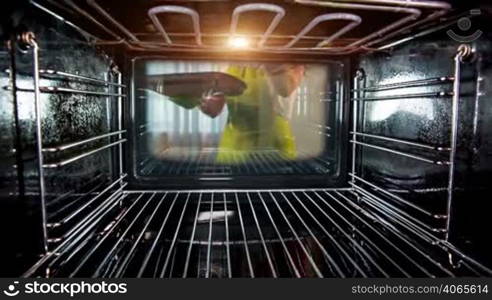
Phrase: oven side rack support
[29,40]
[464,52]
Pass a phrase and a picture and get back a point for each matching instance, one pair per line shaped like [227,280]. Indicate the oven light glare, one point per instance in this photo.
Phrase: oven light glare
[238,42]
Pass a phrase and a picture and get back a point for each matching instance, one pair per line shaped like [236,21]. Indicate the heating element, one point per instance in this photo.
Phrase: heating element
[405,15]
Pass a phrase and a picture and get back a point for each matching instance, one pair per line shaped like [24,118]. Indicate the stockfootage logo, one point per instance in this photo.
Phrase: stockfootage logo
[11,290]
[465,24]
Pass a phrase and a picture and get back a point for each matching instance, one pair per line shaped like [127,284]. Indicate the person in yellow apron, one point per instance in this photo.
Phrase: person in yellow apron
[256,120]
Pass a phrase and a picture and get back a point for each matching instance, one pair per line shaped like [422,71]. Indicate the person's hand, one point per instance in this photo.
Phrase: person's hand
[212,103]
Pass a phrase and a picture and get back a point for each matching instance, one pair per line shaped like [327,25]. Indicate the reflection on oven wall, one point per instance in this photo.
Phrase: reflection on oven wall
[427,120]
[67,117]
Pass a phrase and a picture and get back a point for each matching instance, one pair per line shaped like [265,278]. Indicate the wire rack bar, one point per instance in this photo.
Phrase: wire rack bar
[192,238]
[440,94]
[56,89]
[411,242]
[56,73]
[407,84]
[305,233]
[201,191]
[64,196]
[82,142]
[87,203]
[401,153]
[359,76]
[74,203]
[338,245]
[226,224]
[90,216]
[176,233]
[209,244]
[378,232]
[243,231]
[80,233]
[39,141]
[205,163]
[325,231]
[408,242]
[323,249]
[399,214]
[119,114]
[106,235]
[463,52]
[397,198]
[347,235]
[76,158]
[234,243]
[123,235]
[281,239]
[73,246]
[400,141]
[154,244]
[265,247]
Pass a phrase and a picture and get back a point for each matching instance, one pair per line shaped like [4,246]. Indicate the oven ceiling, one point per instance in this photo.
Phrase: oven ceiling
[331,27]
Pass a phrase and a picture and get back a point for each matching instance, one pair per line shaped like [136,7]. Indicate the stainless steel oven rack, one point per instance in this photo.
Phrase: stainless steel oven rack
[66,215]
[410,15]
[204,163]
[430,226]
[248,233]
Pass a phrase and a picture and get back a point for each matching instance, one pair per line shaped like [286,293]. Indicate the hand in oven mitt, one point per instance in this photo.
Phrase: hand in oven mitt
[212,103]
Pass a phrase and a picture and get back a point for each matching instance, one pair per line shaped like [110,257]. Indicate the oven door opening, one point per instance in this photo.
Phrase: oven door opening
[221,121]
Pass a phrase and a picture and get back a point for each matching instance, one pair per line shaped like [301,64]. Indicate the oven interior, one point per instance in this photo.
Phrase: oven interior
[375,163]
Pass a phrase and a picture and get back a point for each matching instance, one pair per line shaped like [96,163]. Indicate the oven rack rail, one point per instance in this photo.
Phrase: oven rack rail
[248,233]
[410,16]
[244,163]
[65,214]
[397,210]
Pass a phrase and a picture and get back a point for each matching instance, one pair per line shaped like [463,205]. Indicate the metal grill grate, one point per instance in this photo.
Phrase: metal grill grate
[248,233]
[248,163]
